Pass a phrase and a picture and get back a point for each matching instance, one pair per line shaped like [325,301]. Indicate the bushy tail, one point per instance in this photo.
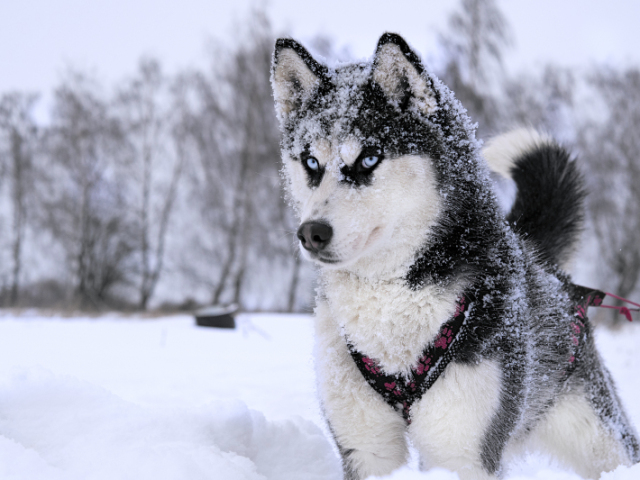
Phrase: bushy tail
[548,209]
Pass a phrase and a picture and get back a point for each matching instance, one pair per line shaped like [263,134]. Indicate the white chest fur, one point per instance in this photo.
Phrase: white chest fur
[385,319]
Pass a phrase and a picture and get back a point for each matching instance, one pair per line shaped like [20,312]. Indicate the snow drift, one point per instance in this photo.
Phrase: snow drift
[108,398]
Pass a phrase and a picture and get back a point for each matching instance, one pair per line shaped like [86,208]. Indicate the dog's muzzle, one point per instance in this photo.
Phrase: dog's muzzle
[314,236]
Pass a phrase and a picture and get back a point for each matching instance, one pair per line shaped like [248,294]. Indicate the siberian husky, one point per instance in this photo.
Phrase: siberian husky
[439,320]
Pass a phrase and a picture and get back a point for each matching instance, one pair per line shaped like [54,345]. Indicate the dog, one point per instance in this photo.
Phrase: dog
[439,320]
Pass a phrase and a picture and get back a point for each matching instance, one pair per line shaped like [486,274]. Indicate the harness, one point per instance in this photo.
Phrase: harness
[401,391]
[583,298]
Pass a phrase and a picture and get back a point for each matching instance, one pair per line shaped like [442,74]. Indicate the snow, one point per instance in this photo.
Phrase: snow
[118,398]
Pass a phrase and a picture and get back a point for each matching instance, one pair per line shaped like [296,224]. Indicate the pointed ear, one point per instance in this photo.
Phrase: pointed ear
[294,75]
[399,72]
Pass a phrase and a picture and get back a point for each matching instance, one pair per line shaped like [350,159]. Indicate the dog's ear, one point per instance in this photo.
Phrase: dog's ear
[294,75]
[399,72]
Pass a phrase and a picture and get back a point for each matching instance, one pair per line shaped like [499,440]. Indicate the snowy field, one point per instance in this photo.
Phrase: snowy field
[154,399]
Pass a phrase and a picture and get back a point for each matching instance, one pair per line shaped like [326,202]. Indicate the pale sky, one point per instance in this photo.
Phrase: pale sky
[40,38]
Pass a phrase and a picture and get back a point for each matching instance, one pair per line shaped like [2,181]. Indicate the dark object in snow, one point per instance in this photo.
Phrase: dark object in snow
[217,316]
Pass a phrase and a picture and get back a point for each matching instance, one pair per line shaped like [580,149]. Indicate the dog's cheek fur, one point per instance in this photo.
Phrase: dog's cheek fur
[450,421]
[403,197]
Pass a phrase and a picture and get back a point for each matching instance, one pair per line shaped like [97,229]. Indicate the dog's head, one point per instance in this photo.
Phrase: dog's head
[363,149]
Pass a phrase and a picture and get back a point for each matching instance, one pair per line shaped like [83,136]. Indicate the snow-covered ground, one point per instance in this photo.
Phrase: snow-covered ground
[121,398]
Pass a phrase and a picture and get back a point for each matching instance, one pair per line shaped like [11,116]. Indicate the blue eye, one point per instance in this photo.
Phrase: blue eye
[368,162]
[312,163]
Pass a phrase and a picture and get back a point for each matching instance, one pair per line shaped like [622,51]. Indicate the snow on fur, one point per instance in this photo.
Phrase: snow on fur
[407,236]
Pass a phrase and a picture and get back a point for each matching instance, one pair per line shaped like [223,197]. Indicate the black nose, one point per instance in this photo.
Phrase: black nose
[314,236]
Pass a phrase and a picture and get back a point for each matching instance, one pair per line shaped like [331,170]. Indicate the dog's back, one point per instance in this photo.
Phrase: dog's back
[573,410]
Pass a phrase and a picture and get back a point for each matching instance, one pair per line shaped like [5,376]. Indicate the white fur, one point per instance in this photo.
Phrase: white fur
[384,319]
[573,433]
[502,151]
[451,419]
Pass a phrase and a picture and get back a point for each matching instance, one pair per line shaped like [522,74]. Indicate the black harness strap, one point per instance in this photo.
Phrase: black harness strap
[583,298]
[586,297]
[401,391]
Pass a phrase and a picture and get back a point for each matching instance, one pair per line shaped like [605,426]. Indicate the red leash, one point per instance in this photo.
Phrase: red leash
[626,311]
[590,297]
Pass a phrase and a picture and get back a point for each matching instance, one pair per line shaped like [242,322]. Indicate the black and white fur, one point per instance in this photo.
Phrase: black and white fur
[396,207]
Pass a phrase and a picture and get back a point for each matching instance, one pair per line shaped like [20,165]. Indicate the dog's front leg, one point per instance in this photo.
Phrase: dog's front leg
[451,421]
[368,432]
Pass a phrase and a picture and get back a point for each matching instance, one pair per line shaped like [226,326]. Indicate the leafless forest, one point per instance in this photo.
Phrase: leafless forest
[163,190]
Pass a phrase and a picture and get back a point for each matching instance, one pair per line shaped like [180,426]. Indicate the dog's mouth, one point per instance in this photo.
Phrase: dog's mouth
[328,261]
[323,258]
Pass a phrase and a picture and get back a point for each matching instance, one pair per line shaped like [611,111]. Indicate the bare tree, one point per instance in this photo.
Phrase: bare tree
[543,101]
[86,203]
[18,137]
[473,44]
[478,33]
[144,107]
[108,178]
[234,130]
[611,149]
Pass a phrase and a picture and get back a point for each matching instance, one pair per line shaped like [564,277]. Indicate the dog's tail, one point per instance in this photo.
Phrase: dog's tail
[548,208]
